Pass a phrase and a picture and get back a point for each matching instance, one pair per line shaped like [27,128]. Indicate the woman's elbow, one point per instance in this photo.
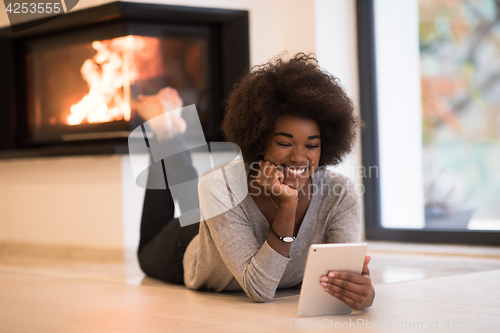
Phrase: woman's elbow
[260,298]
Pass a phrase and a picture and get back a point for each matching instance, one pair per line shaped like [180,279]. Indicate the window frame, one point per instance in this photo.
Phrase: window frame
[365,23]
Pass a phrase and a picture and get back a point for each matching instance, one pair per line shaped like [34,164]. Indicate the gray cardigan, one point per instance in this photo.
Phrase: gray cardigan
[231,251]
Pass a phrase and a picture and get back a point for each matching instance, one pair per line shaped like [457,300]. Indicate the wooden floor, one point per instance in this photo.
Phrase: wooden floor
[414,293]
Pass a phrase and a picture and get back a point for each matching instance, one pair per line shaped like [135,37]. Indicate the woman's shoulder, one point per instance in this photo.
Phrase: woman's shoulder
[222,187]
[327,176]
[334,188]
[230,175]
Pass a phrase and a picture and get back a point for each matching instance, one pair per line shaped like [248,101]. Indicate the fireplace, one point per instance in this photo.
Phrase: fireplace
[74,83]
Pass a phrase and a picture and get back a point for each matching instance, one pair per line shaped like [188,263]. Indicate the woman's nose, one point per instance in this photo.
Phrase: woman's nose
[298,155]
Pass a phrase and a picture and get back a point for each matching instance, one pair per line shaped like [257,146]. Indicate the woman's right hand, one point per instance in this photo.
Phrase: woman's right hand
[271,179]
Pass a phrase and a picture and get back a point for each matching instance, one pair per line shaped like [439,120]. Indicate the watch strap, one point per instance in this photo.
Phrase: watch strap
[287,239]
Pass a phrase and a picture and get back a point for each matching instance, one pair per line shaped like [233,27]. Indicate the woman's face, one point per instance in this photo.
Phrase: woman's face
[295,148]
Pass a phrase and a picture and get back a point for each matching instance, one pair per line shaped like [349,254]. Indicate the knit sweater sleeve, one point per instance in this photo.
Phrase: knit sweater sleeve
[344,223]
[257,267]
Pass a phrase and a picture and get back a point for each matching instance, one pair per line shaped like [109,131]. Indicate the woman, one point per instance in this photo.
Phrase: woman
[290,120]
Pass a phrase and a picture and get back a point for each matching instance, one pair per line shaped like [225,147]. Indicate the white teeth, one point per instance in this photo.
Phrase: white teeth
[296,172]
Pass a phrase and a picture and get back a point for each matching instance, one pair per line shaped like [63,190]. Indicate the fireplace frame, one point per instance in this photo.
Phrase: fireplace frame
[230,46]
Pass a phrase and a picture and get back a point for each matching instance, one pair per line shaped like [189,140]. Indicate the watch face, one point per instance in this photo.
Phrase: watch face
[288,239]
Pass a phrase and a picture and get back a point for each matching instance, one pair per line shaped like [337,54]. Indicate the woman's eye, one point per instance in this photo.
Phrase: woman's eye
[312,147]
[284,144]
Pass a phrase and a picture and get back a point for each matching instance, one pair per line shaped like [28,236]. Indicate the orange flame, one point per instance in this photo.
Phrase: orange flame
[109,75]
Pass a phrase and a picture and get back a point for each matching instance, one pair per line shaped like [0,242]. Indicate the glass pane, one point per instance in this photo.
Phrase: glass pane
[460,75]
[92,85]
[438,79]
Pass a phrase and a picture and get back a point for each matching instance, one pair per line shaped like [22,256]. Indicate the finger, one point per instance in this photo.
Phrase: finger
[277,176]
[356,283]
[359,298]
[347,276]
[268,169]
[366,270]
[360,289]
[348,301]
[263,166]
[266,172]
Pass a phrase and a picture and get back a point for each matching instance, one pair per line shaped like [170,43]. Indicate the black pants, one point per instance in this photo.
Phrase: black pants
[163,241]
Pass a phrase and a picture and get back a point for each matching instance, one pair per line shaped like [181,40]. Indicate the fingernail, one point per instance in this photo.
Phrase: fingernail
[324,278]
[323,284]
[331,274]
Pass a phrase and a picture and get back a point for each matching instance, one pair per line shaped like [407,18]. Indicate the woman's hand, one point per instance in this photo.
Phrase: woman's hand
[271,179]
[355,290]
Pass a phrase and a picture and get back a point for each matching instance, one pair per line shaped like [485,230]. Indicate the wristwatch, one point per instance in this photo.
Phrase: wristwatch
[287,239]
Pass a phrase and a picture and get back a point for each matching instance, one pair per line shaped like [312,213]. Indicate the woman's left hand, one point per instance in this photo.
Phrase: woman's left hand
[355,290]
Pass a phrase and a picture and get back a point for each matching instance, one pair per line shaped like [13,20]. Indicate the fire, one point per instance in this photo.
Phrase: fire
[109,75]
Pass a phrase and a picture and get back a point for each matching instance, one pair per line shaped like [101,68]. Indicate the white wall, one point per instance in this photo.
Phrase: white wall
[62,201]
[399,112]
[336,48]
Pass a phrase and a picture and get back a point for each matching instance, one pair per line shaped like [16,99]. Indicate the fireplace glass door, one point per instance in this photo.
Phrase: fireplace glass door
[85,85]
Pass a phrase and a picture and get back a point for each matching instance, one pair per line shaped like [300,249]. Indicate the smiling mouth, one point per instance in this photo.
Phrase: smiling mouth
[296,172]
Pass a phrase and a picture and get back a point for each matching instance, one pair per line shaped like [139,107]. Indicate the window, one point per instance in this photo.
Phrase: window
[430,96]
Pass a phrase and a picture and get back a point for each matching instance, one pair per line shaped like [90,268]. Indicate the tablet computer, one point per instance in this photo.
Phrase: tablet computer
[313,299]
